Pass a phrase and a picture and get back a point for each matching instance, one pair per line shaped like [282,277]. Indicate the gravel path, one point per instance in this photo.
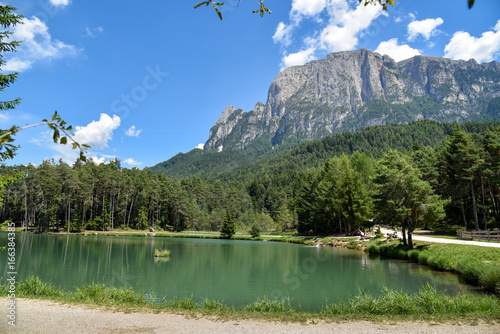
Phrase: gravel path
[444,241]
[41,316]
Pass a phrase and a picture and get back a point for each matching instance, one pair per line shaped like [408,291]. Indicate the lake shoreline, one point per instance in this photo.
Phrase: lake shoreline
[485,273]
[44,316]
[427,304]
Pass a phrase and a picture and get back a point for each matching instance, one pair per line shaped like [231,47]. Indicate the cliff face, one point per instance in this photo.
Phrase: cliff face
[347,91]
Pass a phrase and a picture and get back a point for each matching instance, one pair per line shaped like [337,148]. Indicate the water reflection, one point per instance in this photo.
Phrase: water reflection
[235,272]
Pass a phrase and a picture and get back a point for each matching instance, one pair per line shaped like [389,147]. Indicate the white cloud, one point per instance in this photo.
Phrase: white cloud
[38,44]
[396,51]
[200,146]
[97,133]
[17,65]
[283,34]
[60,3]
[97,160]
[347,20]
[91,32]
[132,132]
[345,25]
[307,7]
[298,58]
[300,9]
[464,46]
[132,162]
[426,28]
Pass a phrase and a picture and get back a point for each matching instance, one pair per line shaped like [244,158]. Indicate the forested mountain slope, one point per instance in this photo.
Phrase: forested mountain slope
[326,186]
[259,159]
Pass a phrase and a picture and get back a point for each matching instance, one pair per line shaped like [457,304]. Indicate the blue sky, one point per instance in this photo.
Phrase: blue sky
[143,81]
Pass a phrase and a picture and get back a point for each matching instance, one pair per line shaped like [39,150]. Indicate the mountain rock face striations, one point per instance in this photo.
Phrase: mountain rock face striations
[348,91]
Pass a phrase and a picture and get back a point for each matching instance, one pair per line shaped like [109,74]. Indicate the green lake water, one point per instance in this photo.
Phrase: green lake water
[236,272]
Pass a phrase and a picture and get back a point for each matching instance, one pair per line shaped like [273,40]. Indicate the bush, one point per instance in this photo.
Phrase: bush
[255,230]
[95,224]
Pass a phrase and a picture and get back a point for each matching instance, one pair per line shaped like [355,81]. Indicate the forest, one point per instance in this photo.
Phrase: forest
[414,175]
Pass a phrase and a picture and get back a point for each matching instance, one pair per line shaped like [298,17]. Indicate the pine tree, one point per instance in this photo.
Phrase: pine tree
[463,163]
[403,197]
[228,227]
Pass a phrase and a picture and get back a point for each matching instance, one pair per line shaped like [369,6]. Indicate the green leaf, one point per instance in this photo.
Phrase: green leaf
[56,135]
[64,140]
[82,157]
[206,3]
[218,13]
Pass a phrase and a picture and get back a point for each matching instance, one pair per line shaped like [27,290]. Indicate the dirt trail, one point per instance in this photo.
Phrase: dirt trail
[41,316]
[444,241]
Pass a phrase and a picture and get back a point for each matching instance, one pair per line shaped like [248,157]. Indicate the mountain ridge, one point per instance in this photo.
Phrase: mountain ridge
[351,90]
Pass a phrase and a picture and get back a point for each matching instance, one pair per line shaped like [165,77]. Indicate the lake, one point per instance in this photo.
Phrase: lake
[236,272]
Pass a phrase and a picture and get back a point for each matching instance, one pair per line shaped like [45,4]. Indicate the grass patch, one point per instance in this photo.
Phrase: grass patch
[162,253]
[477,265]
[425,304]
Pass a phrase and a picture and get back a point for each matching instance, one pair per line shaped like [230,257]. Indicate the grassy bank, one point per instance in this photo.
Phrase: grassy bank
[287,237]
[477,265]
[426,304]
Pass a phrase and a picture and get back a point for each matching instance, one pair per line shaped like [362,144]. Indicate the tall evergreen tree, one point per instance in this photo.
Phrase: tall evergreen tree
[403,198]
[228,227]
[463,163]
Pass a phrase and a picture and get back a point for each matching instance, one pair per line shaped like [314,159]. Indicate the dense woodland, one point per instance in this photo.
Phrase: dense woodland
[414,175]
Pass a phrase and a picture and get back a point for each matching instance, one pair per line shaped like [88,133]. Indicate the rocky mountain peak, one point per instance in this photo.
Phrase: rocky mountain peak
[347,91]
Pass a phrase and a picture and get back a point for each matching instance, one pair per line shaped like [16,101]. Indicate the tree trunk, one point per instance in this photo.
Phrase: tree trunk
[26,210]
[463,213]
[404,234]
[411,228]
[111,208]
[125,211]
[340,224]
[493,200]
[474,206]
[483,195]
[130,212]
[69,214]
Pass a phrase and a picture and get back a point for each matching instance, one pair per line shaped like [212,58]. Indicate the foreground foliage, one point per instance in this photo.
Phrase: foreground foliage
[427,303]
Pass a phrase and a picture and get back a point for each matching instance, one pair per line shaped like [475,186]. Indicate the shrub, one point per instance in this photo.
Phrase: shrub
[255,230]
